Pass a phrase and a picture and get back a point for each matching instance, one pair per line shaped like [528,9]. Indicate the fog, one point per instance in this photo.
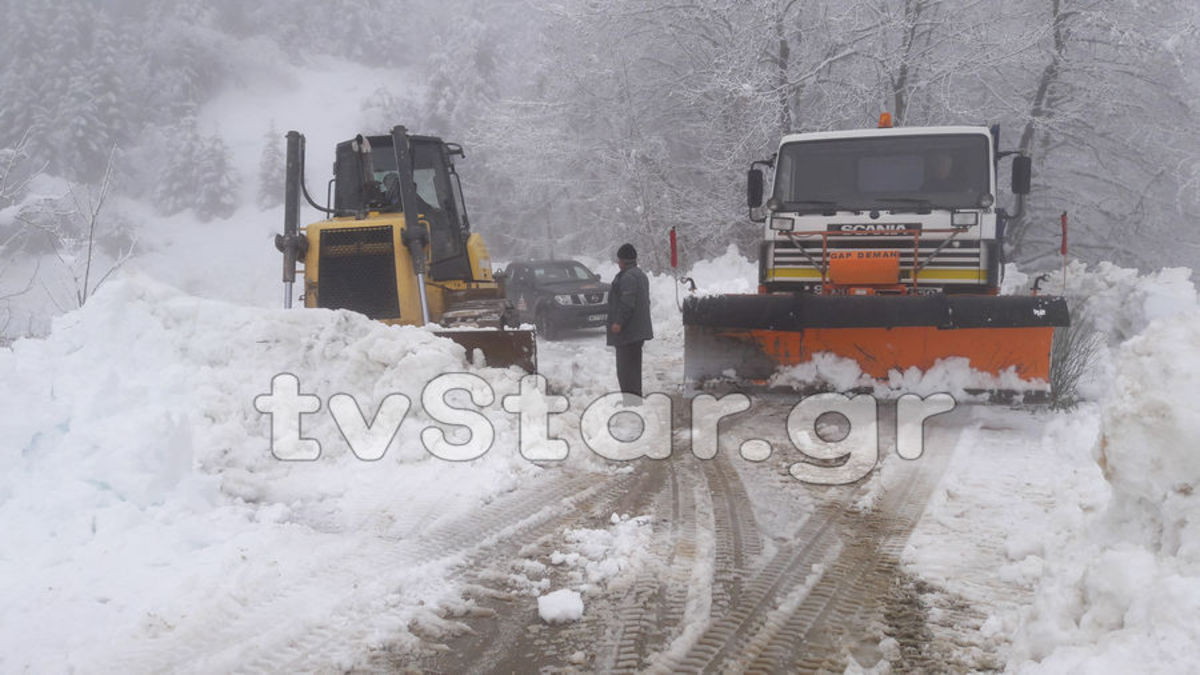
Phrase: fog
[586,122]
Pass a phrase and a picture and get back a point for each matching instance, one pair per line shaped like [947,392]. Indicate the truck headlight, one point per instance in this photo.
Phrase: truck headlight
[964,219]
[782,223]
[563,299]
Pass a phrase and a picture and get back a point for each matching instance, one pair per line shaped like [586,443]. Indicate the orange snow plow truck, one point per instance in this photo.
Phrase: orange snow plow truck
[882,246]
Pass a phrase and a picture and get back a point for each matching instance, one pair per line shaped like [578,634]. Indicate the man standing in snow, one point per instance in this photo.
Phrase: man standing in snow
[629,319]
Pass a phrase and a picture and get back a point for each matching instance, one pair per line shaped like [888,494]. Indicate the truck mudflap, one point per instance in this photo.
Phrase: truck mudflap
[749,337]
[500,348]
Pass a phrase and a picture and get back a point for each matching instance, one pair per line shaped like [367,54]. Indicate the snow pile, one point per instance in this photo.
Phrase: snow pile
[824,371]
[730,272]
[1114,304]
[1150,449]
[604,558]
[138,490]
[1125,596]
[1119,302]
[561,606]
[953,376]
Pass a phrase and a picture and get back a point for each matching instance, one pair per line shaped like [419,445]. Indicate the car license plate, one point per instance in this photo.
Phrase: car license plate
[596,317]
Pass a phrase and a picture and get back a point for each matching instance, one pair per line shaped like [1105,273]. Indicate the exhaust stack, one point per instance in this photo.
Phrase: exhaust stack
[291,243]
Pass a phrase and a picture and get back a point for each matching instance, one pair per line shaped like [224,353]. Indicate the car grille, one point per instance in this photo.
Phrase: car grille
[598,298]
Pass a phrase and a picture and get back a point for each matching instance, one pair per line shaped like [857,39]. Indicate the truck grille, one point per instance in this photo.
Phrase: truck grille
[357,268]
[806,254]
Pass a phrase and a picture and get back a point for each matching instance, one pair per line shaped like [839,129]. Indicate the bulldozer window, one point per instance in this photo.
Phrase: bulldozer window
[435,197]
[433,187]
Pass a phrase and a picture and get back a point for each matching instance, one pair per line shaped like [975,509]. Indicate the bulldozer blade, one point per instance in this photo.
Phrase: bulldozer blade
[500,348]
[748,338]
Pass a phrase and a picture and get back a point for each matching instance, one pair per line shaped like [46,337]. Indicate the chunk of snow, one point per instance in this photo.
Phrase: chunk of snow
[561,606]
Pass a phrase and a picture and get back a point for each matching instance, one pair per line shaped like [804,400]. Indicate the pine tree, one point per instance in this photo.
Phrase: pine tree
[216,185]
[271,168]
[176,186]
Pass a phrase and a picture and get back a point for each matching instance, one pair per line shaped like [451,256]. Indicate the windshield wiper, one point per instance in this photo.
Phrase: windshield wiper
[824,205]
[918,203]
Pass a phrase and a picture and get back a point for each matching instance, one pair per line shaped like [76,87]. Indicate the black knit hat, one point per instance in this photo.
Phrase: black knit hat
[627,252]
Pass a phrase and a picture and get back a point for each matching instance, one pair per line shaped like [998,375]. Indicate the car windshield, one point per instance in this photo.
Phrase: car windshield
[561,271]
[947,171]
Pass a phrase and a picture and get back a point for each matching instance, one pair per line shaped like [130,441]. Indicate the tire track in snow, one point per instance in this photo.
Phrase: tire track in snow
[838,615]
[824,582]
[282,632]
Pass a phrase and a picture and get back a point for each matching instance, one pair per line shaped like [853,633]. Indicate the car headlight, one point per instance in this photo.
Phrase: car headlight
[563,299]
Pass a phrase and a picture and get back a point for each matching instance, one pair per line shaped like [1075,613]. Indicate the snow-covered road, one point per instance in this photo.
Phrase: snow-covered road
[147,526]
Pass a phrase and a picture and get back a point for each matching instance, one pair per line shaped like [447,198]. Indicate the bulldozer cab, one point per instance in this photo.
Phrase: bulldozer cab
[368,177]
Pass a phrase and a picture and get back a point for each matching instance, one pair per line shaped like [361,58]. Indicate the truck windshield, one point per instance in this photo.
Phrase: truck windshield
[902,172]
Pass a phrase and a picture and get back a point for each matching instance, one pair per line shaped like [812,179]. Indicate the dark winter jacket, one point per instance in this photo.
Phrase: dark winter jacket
[629,306]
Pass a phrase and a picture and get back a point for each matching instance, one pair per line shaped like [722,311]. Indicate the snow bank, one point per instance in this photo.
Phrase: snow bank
[1123,596]
[1120,303]
[730,272]
[1150,450]
[138,490]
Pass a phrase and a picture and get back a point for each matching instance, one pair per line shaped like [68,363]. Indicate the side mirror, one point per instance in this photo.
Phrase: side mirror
[1022,172]
[754,188]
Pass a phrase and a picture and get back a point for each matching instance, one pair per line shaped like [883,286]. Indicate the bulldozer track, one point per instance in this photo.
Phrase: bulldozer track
[738,540]
[652,611]
[824,595]
[732,633]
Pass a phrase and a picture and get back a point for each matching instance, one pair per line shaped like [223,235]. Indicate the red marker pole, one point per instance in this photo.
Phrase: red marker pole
[1063,219]
[1063,248]
[675,249]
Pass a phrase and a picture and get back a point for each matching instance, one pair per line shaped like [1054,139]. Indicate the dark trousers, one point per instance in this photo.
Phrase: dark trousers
[629,367]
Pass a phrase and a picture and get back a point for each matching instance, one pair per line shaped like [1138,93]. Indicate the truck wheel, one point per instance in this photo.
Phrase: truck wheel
[545,326]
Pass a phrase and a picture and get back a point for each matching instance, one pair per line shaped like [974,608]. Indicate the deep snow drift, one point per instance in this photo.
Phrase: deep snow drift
[138,490]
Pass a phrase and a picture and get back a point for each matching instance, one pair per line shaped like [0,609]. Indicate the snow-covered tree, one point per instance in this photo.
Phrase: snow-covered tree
[198,175]
[271,170]
[217,185]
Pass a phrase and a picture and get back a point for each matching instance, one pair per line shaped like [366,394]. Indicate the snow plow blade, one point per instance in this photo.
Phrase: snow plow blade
[500,348]
[747,338]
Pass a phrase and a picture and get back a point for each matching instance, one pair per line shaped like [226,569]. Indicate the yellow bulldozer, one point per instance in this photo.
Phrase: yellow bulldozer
[397,245]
